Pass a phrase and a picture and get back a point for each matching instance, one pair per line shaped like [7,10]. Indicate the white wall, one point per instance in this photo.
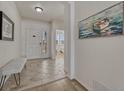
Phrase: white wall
[67,42]
[55,24]
[34,24]
[99,63]
[10,49]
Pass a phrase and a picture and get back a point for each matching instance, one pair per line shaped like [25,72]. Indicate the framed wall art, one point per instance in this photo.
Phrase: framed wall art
[6,28]
[108,22]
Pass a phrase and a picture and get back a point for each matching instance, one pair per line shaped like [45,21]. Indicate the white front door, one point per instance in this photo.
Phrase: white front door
[34,44]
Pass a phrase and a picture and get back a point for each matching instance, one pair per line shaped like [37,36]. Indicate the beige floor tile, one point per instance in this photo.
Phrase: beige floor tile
[38,72]
[59,85]
[43,75]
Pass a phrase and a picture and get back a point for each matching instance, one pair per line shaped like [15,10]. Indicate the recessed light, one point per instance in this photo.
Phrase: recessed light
[39,9]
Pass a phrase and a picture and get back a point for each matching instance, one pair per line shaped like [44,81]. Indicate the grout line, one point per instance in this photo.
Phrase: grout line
[80,84]
[46,83]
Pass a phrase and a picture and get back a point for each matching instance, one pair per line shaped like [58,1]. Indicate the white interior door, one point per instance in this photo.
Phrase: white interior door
[34,44]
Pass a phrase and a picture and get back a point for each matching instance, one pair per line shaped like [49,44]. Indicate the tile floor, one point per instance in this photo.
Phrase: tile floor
[60,85]
[38,72]
[43,75]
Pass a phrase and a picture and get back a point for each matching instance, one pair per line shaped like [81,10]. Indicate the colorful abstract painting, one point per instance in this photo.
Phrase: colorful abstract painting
[108,22]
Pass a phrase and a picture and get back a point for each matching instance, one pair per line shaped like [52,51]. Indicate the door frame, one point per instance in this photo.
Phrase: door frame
[69,38]
[69,46]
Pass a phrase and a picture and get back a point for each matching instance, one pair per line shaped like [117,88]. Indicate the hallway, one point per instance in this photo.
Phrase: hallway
[91,43]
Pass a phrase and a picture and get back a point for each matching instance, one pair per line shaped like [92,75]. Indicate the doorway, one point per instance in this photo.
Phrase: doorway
[60,44]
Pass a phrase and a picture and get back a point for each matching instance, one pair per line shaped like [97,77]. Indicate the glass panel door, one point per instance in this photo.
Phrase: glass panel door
[44,43]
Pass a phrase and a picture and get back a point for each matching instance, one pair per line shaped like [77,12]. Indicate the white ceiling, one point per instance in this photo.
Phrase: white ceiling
[51,10]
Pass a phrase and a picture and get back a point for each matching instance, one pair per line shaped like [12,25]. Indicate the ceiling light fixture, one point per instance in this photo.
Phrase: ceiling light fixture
[39,9]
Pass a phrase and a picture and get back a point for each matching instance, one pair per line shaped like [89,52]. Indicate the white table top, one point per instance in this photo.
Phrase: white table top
[14,66]
[3,64]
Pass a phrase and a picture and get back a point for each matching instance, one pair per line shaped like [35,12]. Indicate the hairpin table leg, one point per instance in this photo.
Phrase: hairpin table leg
[25,66]
[17,82]
[2,82]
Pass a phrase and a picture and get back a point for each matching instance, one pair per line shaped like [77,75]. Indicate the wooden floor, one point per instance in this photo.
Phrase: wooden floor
[59,85]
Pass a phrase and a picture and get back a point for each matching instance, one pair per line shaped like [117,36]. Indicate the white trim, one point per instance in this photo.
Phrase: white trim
[69,39]
[72,28]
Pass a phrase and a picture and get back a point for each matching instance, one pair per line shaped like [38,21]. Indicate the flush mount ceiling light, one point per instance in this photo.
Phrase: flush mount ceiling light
[39,9]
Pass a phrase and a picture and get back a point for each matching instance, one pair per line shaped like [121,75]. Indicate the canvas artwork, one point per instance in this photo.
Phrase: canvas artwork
[7,29]
[108,22]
